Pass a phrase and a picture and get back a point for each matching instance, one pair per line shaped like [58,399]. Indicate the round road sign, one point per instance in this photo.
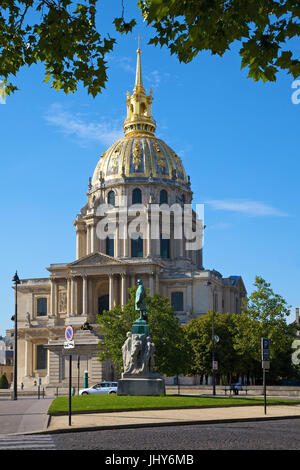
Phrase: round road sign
[69,333]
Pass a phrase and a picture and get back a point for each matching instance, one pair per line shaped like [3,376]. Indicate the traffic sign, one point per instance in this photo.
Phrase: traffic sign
[215,365]
[265,349]
[69,344]
[69,333]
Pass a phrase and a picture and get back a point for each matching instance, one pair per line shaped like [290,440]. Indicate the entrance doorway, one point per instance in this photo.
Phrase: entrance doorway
[103,303]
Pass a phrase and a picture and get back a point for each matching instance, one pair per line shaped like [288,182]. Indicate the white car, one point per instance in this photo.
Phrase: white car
[100,388]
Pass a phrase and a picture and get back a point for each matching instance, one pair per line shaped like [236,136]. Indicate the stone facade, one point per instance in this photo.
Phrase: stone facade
[139,169]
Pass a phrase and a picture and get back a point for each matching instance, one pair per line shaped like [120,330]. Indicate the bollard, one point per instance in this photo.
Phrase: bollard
[38,392]
[86,382]
[43,392]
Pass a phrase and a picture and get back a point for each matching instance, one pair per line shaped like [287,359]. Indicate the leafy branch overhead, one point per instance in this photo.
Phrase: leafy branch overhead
[263,27]
[63,35]
[64,39]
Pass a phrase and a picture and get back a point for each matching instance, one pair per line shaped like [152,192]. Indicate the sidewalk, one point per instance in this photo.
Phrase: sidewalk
[26,414]
[29,416]
[127,419]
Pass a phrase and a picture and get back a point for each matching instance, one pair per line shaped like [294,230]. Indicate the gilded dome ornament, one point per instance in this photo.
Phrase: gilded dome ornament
[137,154]
[140,153]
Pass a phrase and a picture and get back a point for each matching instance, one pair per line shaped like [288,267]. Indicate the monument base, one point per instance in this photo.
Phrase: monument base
[141,386]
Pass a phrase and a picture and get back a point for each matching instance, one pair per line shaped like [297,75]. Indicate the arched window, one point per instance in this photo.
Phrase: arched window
[111,198]
[137,248]
[110,246]
[163,197]
[42,307]
[164,247]
[136,196]
[177,301]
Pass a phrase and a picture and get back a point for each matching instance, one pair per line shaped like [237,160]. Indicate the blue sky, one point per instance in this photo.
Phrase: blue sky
[239,142]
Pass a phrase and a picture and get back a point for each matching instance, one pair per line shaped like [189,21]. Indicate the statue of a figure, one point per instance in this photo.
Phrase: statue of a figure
[140,300]
[126,352]
[135,353]
[148,357]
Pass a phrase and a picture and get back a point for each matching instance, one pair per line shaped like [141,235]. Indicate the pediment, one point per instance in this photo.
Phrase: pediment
[95,259]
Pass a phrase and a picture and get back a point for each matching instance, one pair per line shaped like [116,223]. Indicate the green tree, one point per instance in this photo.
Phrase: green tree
[62,35]
[4,382]
[265,314]
[171,353]
[198,334]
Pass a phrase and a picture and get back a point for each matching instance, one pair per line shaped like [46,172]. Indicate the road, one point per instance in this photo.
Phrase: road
[265,435]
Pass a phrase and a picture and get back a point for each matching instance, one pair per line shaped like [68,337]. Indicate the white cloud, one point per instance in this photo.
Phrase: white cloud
[76,126]
[247,207]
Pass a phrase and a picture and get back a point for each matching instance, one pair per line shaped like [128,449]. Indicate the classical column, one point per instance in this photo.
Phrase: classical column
[117,243]
[149,250]
[88,239]
[72,296]
[132,279]
[111,291]
[26,358]
[156,283]
[151,284]
[53,297]
[68,296]
[93,238]
[123,290]
[189,298]
[84,295]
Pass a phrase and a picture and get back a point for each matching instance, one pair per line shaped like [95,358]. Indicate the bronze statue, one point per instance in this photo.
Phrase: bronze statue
[140,300]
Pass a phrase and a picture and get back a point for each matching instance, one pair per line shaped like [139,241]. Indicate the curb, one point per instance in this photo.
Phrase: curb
[162,424]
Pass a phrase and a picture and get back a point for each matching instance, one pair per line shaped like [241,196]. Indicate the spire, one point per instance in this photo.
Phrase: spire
[138,75]
[139,105]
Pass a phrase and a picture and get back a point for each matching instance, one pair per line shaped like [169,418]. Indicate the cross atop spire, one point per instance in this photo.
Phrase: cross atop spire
[139,38]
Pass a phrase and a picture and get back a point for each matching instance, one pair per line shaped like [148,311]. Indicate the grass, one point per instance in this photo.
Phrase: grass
[105,403]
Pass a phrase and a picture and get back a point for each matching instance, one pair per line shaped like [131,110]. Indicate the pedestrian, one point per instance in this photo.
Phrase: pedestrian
[22,386]
[34,383]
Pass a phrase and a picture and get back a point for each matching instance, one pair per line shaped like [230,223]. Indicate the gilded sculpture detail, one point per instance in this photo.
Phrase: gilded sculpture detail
[137,154]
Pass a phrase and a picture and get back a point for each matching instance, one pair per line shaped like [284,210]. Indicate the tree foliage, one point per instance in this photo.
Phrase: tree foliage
[63,35]
[263,27]
[238,351]
[4,382]
[171,352]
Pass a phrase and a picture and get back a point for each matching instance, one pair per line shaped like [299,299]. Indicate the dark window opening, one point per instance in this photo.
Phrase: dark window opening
[41,357]
[177,301]
[137,248]
[136,196]
[42,307]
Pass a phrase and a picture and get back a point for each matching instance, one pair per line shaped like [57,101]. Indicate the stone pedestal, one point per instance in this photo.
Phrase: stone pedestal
[138,378]
[141,386]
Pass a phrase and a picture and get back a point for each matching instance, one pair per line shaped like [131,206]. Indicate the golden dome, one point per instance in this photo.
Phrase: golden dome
[139,154]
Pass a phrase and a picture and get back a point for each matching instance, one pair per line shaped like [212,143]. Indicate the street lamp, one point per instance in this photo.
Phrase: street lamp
[17,281]
[213,341]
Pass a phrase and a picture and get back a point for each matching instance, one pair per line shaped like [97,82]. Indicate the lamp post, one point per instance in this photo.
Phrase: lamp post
[16,280]
[213,342]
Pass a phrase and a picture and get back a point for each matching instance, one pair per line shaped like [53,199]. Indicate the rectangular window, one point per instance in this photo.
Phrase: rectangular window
[42,307]
[41,357]
[137,248]
[110,246]
[177,301]
[165,247]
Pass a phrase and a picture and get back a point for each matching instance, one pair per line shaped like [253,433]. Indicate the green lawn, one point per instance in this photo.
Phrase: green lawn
[98,403]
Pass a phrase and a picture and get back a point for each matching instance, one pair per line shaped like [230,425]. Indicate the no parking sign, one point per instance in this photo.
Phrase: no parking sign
[69,333]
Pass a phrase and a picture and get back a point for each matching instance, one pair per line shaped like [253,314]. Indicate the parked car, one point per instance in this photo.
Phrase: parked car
[100,388]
